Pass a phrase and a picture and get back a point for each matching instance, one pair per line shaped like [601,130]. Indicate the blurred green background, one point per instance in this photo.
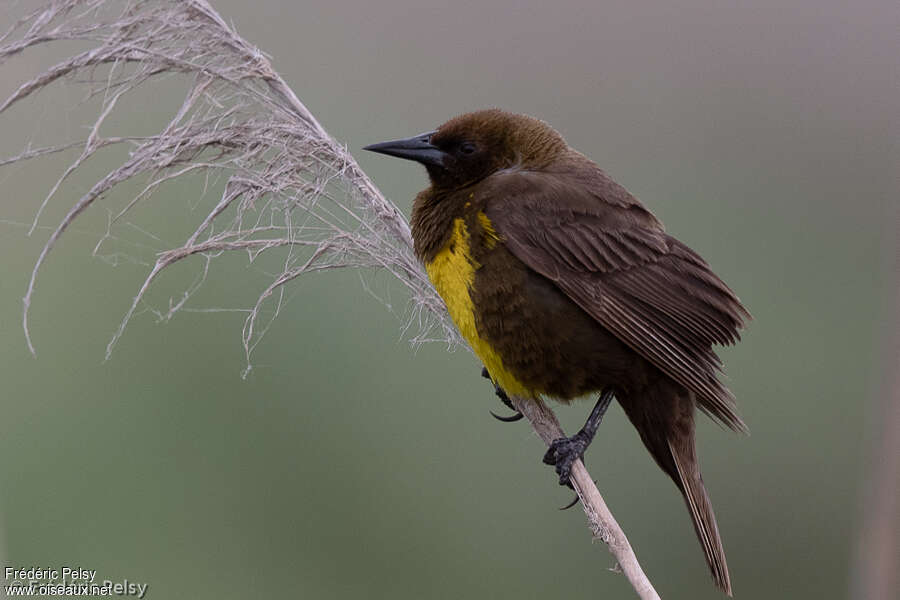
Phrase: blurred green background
[763,134]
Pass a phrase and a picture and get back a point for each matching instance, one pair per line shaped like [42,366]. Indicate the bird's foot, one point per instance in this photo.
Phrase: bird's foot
[563,452]
[501,393]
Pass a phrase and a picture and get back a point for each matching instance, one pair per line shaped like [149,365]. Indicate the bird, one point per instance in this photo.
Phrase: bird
[565,285]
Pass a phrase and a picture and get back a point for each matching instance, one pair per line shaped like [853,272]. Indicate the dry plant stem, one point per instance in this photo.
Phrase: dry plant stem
[289,188]
[601,522]
[875,574]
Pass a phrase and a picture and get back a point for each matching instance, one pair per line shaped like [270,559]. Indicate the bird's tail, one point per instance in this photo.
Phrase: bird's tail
[691,484]
[663,414]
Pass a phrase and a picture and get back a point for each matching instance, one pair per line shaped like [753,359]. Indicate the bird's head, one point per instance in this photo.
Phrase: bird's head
[472,146]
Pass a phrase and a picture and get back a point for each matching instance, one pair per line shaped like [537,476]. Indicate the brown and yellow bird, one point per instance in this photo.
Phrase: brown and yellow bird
[564,285]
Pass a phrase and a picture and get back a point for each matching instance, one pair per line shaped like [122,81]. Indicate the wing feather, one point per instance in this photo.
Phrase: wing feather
[614,259]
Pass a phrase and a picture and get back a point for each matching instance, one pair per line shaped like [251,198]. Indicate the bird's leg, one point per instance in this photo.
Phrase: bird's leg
[501,393]
[565,451]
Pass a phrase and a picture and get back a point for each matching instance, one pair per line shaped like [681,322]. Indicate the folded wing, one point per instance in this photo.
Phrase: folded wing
[614,259]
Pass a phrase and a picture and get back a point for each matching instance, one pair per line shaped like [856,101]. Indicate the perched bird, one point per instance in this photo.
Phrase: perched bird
[564,285]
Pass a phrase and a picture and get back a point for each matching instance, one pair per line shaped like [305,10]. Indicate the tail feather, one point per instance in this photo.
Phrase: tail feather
[663,414]
[702,515]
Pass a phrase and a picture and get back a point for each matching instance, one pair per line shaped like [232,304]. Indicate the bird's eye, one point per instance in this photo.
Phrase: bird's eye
[467,148]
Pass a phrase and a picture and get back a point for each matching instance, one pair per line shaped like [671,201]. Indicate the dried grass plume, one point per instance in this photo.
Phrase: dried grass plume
[290,188]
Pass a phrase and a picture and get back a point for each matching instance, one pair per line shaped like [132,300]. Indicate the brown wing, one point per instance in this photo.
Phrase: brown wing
[613,258]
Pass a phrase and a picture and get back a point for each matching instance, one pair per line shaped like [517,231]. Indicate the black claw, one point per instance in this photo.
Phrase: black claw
[571,504]
[510,419]
[501,393]
[574,500]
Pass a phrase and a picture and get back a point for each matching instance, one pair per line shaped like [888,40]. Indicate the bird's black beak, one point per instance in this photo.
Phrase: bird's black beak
[418,148]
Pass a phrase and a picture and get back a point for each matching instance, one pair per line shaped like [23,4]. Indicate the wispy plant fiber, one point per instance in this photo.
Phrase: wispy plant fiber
[291,188]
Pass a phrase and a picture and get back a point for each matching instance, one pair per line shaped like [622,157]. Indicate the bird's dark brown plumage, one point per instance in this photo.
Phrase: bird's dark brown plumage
[577,286]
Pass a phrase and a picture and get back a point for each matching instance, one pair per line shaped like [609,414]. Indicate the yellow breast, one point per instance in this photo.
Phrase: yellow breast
[452,271]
